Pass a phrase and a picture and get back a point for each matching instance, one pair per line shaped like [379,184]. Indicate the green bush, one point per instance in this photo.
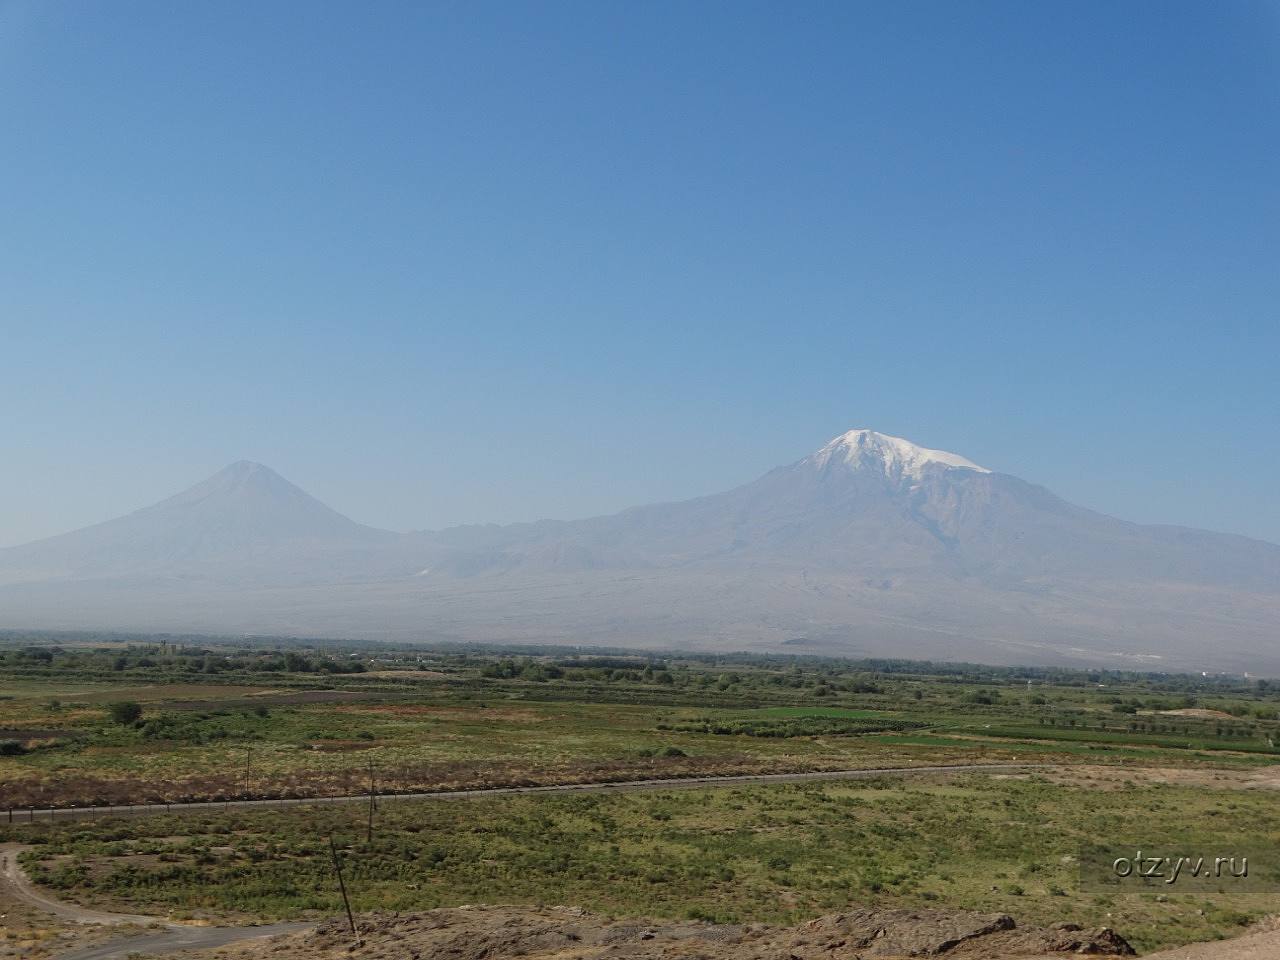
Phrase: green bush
[125,712]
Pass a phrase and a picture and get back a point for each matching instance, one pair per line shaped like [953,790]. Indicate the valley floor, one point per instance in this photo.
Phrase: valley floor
[772,801]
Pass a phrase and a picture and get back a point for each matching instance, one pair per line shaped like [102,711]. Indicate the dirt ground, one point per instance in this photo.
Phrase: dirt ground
[35,926]
[1264,944]
[1113,777]
[564,933]
[33,934]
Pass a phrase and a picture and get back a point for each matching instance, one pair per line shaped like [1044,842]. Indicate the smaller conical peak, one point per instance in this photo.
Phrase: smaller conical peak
[243,471]
[240,479]
[895,456]
[245,467]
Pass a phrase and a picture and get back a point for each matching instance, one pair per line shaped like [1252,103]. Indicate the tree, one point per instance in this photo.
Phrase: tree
[125,712]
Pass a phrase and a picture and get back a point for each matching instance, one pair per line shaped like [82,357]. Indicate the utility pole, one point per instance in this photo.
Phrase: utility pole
[369,833]
[342,886]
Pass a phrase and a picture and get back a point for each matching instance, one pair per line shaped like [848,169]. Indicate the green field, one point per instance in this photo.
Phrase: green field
[768,853]
[263,723]
[144,723]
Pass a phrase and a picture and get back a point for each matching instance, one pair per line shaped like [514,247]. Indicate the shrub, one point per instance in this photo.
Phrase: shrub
[125,712]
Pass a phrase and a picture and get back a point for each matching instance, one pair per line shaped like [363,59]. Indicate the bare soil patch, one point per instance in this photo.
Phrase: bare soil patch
[562,933]
[149,693]
[488,715]
[342,746]
[404,674]
[26,735]
[1119,777]
[27,933]
[276,699]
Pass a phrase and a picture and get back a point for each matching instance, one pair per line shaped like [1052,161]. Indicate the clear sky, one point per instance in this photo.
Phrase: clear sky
[470,261]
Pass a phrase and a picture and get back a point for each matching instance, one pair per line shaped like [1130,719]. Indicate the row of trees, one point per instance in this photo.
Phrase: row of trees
[173,661]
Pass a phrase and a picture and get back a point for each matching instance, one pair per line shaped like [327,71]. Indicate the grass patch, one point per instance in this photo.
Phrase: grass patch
[764,853]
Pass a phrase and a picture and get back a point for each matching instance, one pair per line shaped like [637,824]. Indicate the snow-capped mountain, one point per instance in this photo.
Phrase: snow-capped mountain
[897,458]
[870,545]
[874,505]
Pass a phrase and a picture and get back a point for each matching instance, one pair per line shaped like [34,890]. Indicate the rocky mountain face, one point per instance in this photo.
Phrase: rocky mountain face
[871,545]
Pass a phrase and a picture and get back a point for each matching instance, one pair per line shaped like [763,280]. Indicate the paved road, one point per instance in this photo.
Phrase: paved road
[46,815]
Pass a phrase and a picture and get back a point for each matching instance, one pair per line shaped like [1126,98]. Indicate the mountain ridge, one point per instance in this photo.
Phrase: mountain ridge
[870,544]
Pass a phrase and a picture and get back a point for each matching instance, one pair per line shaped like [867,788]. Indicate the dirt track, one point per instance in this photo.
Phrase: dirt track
[169,937]
[15,884]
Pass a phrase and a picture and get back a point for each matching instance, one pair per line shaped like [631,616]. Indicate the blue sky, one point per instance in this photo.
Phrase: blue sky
[456,262]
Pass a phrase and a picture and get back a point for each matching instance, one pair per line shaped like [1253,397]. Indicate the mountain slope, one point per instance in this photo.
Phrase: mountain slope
[874,505]
[869,546]
[244,521]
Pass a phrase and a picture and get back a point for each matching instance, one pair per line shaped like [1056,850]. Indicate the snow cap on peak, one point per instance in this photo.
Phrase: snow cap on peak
[896,456]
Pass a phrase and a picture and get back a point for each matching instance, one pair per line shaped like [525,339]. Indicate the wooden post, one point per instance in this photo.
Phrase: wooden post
[342,886]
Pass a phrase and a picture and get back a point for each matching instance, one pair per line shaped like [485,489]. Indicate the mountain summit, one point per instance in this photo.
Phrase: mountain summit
[248,503]
[897,458]
[871,546]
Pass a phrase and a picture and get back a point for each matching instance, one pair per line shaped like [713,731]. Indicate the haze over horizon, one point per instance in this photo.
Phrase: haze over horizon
[500,265]
[241,465]
[869,545]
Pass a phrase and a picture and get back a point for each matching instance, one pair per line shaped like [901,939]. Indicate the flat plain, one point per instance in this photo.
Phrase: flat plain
[1175,759]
